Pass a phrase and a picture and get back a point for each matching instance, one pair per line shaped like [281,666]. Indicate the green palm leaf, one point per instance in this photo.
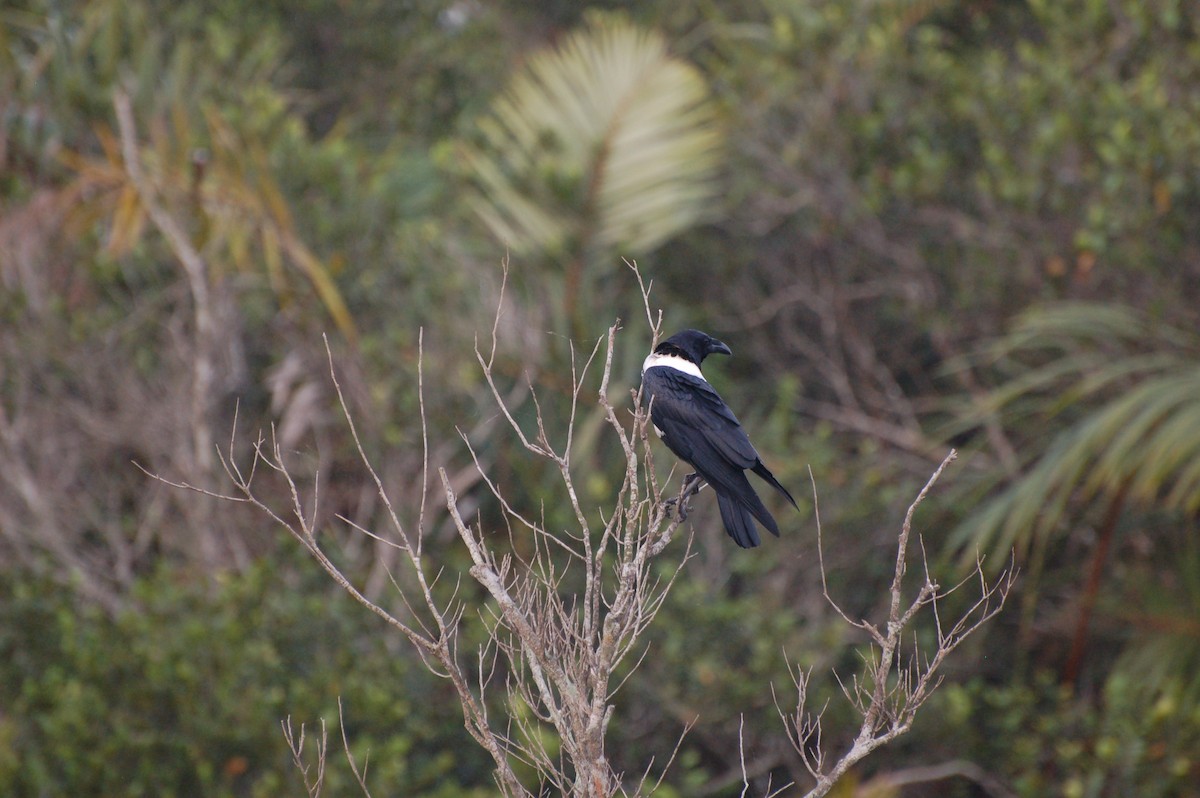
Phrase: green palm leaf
[1108,403]
[1125,397]
[605,142]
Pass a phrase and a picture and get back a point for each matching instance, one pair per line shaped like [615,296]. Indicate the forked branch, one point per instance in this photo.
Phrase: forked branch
[564,650]
[893,684]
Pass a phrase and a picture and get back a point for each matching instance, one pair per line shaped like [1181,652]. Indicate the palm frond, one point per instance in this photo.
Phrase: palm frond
[238,208]
[1133,396]
[606,141]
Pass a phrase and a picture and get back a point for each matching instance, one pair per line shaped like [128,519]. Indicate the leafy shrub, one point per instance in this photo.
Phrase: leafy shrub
[184,694]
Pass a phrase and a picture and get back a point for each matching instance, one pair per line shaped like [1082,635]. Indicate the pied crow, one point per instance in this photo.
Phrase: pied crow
[696,424]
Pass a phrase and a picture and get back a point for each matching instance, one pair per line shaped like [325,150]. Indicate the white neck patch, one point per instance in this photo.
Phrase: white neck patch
[672,362]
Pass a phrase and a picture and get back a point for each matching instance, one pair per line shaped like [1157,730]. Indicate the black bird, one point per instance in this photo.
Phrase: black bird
[696,424]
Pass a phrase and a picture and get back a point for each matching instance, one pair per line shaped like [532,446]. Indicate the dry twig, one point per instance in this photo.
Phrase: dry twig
[893,686]
[313,781]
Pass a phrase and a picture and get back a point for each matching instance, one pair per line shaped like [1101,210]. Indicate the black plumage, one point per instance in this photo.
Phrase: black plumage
[696,424]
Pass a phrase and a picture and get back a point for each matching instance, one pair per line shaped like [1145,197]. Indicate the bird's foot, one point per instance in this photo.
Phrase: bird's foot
[692,484]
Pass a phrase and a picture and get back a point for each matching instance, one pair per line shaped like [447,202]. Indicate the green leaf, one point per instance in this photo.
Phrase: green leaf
[1129,396]
[607,141]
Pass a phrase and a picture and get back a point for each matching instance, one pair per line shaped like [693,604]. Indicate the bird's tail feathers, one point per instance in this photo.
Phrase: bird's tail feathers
[763,472]
[738,523]
[745,495]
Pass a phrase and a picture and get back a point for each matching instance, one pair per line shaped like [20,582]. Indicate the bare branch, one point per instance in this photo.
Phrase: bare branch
[893,686]
[360,777]
[564,650]
[561,650]
[312,781]
[821,564]
[194,267]
[654,321]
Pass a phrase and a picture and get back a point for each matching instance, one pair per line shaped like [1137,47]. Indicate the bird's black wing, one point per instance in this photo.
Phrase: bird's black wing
[699,427]
[733,443]
[694,418]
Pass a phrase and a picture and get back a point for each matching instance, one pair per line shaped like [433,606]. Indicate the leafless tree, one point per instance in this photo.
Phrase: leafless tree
[559,648]
[893,685]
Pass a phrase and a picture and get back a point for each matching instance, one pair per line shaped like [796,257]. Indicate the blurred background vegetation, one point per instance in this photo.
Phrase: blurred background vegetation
[918,223]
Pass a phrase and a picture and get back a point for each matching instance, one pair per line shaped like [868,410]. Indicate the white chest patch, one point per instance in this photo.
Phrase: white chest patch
[672,362]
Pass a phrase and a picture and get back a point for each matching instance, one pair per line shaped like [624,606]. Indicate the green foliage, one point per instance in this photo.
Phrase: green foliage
[184,693]
[1110,397]
[1118,397]
[601,148]
[1050,742]
[606,144]
[68,58]
[876,191]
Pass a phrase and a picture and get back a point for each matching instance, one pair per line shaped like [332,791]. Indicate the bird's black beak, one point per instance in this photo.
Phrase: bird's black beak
[716,347]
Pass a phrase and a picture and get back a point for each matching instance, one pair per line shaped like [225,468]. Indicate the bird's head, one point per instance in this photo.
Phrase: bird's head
[692,345]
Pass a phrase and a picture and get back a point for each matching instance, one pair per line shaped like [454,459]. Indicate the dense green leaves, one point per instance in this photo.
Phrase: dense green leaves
[184,693]
[1049,742]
